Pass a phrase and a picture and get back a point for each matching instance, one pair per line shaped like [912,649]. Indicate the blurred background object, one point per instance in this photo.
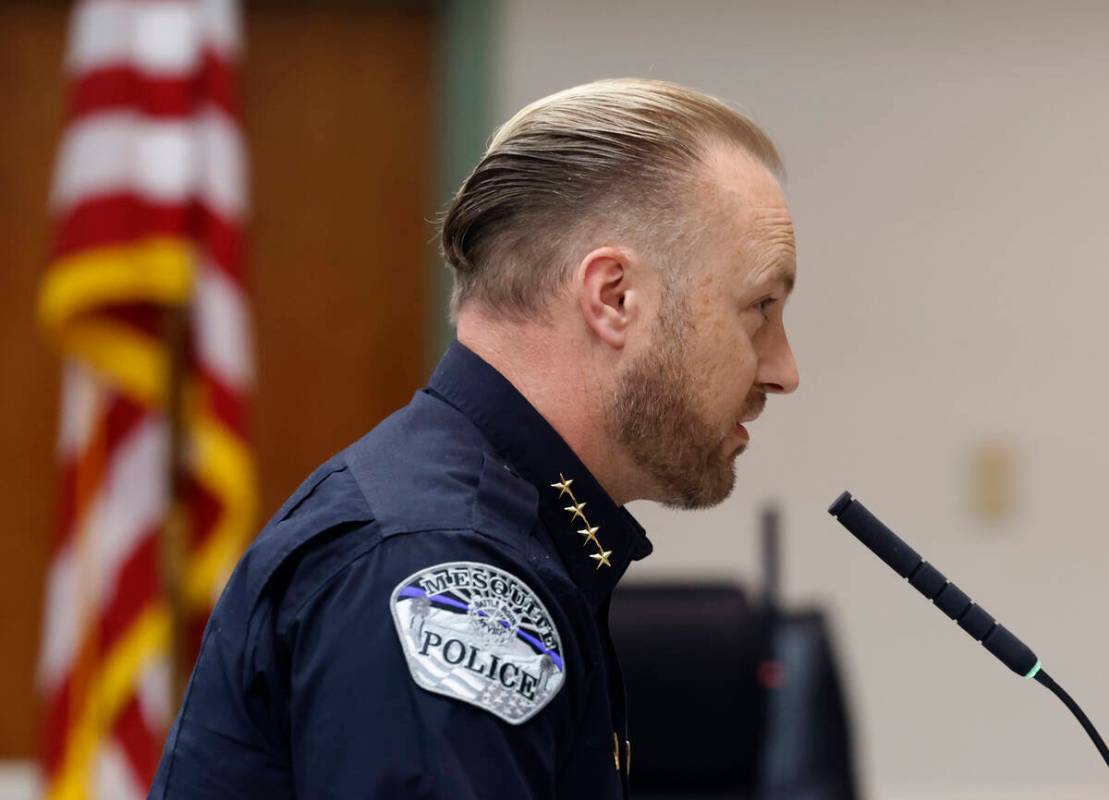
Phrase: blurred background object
[731,698]
[145,299]
[339,121]
[947,171]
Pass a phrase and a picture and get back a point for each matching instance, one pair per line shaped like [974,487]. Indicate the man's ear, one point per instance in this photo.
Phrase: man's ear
[608,292]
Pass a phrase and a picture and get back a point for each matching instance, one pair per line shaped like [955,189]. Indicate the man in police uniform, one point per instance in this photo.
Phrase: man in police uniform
[426,617]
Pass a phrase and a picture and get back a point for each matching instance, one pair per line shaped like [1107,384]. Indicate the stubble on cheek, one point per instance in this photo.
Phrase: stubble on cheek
[653,416]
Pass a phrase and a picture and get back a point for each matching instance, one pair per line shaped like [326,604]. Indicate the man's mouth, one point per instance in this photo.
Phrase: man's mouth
[753,412]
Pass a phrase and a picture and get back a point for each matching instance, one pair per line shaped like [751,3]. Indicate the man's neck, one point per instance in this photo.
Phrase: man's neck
[553,369]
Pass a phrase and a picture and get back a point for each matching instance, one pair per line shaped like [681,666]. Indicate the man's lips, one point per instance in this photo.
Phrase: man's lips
[751,412]
[740,429]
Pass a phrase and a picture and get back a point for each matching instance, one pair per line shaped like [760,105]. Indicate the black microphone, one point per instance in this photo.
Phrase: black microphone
[952,601]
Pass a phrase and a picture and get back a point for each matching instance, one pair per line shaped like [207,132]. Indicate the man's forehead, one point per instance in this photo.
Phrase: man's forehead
[766,244]
[741,175]
[754,216]
[771,225]
[747,191]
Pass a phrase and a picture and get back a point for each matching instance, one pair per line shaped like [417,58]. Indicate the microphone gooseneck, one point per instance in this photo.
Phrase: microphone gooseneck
[932,583]
[952,601]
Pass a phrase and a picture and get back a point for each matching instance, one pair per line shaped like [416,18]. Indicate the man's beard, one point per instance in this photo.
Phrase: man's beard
[653,415]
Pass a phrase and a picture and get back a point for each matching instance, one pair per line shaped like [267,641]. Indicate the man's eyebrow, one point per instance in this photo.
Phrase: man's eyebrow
[774,264]
[782,272]
[788,277]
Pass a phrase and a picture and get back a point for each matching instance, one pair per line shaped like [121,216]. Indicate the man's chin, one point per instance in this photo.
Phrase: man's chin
[711,491]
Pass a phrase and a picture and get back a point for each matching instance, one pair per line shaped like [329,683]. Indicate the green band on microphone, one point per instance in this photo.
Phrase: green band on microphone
[1035,669]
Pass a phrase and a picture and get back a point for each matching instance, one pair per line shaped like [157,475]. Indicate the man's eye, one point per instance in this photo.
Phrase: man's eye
[764,305]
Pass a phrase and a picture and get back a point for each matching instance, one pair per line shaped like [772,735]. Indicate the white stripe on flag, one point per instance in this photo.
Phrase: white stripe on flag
[132,500]
[163,161]
[115,778]
[221,26]
[81,401]
[62,623]
[221,325]
[154,693]
[161,38]
[223,166]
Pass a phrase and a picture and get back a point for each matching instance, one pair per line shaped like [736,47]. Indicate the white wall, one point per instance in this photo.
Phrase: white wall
[949,170]
[19,780]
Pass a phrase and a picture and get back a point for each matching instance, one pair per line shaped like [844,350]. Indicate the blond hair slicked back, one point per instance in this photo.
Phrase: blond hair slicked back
[609,158]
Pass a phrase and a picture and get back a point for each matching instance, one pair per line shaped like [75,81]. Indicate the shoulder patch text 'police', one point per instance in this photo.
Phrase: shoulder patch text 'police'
[481,635]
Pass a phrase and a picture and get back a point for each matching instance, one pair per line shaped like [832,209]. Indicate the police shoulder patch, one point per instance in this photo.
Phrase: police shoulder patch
[481,635]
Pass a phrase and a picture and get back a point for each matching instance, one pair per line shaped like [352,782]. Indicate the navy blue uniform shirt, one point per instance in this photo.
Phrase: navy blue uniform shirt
[425,618]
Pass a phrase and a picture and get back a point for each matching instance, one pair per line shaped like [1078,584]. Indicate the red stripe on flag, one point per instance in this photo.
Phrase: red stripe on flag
[119,219]
[205,510]
[55,723]
[83,474]
[136,587]
[145,318]
[67,502]
[224,242]
[138,583]
[225,404]
[122,417]
[141,745]
[123,87]
[123,218]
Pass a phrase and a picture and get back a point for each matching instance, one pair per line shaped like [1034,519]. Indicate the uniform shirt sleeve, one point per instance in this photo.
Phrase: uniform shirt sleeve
[361,727]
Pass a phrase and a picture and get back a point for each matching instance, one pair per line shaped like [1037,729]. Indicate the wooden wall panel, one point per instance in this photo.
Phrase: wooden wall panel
[339,106]
[338,110]
[31,45]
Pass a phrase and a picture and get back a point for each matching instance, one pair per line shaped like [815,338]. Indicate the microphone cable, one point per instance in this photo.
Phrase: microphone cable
[953,602]
[1043,678]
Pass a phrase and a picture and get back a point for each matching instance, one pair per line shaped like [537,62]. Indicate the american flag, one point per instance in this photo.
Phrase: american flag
[149,199]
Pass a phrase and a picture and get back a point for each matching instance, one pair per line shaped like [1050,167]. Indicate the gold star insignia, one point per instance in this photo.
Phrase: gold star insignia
[576,511]
[602,558]
[590,535]
[563,486]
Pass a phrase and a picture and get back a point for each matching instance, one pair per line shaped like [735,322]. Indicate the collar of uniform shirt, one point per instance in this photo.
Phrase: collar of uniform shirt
[596,538]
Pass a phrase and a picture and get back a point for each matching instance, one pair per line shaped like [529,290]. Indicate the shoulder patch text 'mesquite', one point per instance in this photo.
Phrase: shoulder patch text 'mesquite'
[481,635]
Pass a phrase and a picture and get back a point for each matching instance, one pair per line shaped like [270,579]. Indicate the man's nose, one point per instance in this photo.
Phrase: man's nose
[778,368]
